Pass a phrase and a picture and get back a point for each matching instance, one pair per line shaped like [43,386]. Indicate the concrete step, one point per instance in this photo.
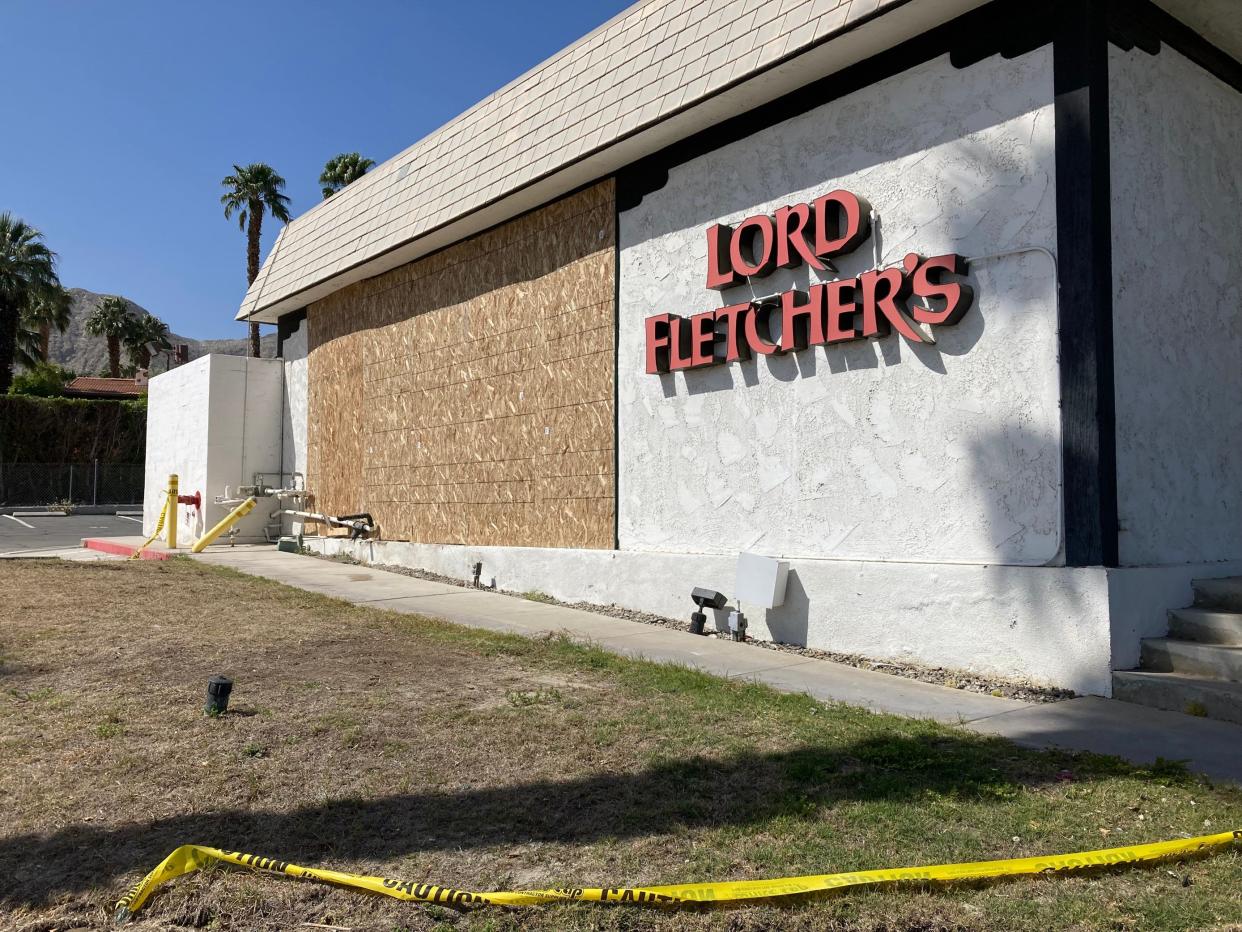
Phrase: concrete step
[1224,594]
[1178,693]
[1170,655]
[1206,625]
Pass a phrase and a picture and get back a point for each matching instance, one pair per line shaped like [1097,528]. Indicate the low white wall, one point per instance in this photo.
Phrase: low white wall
[1048,624]
[178,405]
[216,422]
[243,435]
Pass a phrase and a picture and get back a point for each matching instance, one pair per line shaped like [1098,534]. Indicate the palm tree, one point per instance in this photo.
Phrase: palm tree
[346,168]
[27,272]
[53,309]
[144,334]
[111,319]
[248,192]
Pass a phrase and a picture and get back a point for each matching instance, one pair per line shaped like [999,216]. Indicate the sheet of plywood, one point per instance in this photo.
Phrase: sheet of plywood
[467,397]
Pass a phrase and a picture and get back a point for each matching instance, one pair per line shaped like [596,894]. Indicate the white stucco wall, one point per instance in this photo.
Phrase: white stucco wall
[216,422]
[1048,624]
[243,435]
[1176,147]
[178,402]
[876,450]
[293,352]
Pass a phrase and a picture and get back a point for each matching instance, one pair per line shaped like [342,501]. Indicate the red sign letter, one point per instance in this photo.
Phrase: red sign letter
[842,222]
[882,289]
[742,249]
[657,343]
[928,283]
[802,324]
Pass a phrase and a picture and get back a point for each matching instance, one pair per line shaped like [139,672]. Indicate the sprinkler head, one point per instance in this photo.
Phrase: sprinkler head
[218,689]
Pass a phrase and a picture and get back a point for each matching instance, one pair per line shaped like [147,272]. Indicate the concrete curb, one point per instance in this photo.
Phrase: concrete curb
[19,511]
[122,548]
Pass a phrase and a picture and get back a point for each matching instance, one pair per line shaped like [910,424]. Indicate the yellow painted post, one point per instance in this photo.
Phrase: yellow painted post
[228,521]
[172,511]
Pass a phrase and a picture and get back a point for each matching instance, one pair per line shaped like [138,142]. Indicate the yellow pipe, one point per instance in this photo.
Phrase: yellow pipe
[229,520]
[172,511]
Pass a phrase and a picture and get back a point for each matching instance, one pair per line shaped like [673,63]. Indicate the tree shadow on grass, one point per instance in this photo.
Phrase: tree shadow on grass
[743,790]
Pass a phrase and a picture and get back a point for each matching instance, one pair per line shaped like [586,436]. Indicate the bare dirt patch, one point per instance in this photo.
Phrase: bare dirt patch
[393,745]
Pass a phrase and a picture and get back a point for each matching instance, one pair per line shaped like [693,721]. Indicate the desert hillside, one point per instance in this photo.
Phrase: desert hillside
[88,355]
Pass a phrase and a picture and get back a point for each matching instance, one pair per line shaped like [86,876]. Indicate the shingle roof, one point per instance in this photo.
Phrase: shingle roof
[85,384]
[650,61]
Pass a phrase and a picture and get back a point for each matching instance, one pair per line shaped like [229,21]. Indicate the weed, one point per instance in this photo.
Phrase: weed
[523,698]
[1194,707]
[536,596]
[44,694]
[255,750]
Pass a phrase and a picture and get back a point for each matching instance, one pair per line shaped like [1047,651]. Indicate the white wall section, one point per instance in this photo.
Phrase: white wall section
[878,450]
[293,353]
[1176,143]
[1046,624]
[216,423]
[178,402]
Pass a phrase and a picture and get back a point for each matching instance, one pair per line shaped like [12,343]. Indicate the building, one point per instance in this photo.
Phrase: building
[85,386]
[935,299]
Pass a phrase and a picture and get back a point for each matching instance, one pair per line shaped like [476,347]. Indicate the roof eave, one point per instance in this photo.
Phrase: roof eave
[857,41]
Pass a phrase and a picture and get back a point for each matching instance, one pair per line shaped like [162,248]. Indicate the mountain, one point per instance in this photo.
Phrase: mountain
[88,355]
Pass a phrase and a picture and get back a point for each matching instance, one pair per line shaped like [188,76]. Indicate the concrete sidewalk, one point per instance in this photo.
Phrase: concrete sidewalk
[1136,733]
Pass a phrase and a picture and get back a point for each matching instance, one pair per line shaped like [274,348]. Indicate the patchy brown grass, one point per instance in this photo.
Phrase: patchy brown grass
[394,745]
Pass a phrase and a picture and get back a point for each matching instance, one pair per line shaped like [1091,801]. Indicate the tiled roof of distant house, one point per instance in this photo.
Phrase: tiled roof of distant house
[88,387]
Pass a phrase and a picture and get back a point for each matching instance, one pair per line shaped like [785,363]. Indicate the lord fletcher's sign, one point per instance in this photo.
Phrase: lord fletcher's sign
[872,304]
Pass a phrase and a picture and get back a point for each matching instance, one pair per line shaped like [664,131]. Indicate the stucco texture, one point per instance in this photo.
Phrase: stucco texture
[214,422]
[1176,148]
[877,450]
[1030,622]
[468,397]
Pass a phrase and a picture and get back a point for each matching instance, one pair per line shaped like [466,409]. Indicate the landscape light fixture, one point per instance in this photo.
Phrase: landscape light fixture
[704,598]
[218,690]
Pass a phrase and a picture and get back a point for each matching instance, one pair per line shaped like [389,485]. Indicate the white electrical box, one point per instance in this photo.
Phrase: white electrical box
[760,580]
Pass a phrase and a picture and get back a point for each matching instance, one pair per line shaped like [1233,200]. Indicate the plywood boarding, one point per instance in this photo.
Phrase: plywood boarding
[468,397]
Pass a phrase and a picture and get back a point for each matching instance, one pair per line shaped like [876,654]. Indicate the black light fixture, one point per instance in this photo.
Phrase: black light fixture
[218,689]
[704,598]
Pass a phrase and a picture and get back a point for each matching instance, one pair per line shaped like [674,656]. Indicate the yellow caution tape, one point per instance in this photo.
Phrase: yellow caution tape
[189,858]
[159,526]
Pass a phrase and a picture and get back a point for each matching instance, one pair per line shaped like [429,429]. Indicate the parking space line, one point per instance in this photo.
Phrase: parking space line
[130,518]
[20,521]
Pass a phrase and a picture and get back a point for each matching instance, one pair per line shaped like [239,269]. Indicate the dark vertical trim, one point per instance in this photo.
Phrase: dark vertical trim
[616,362]
[1084,252]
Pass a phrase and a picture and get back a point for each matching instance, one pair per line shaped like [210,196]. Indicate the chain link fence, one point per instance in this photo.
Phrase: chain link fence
[95,483]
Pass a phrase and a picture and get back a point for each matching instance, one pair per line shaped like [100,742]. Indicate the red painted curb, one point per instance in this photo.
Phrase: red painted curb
[108,545]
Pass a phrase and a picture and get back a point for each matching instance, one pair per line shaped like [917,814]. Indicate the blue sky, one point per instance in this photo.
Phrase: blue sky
[121,117]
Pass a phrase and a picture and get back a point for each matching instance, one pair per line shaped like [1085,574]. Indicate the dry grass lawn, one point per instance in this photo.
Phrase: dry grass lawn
[388,744]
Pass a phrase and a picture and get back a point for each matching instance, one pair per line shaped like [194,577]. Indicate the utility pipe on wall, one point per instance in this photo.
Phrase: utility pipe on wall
[228,521]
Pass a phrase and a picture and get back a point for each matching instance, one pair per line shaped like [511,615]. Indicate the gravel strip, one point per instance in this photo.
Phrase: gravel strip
[1022,690]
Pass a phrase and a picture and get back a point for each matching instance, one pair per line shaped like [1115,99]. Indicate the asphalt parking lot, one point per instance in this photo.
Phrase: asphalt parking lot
[29,536]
